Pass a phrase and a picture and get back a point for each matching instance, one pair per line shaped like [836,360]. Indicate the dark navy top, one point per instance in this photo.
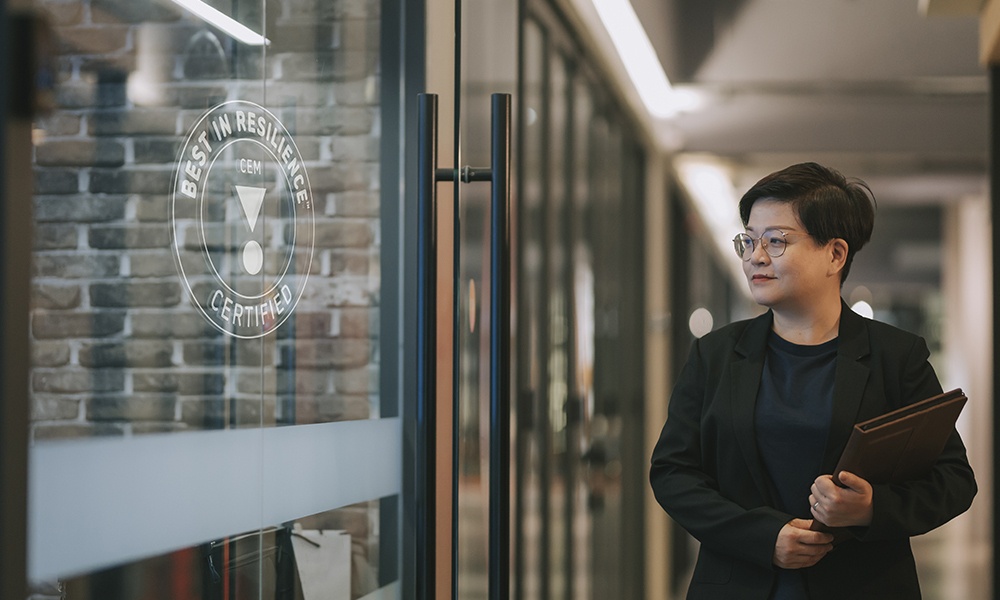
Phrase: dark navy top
[792,421]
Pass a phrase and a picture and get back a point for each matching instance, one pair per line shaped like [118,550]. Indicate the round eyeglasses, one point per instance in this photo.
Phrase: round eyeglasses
[772,240]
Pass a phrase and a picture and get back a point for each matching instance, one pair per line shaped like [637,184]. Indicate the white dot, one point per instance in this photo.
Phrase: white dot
[700,322]
[864,309]
[253,257]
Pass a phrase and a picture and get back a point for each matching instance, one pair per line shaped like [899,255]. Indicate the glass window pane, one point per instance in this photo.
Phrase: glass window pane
[207,284]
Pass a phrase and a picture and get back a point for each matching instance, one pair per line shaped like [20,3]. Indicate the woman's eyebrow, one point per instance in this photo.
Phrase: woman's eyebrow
[788,228]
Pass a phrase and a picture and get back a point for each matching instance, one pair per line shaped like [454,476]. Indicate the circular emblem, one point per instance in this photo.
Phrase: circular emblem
[242,219]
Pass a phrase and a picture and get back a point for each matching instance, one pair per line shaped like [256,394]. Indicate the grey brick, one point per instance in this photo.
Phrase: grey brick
[56,181]
[146,427]
[183,383]
[355,148]
[113,237]
[62,13]
[163,324]
[132,294]
[130,181]
[113,93]
[61,123]
[55,237]
[52,296]
[73,95]
[49,354]
[340,121]
[337,354]
[135,121]
[106,39]
[255,353]
[358,93]
[80,153]
[358,323]
[350,262]
[204,413]
[283,382]
[134,11]
[339,177]
[152,264]
[76,266]
[330,408]
[206,353]
[67,431]
[79,208]
[128,353]
[77,381]
[157,208]
[364,204]
[60,325]
[356,381]
[201,97]
[304,325]
[156,151]
[54,408]
[343,233]
[131,408]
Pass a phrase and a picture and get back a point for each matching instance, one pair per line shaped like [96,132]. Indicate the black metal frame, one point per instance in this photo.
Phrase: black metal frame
[18,79]
[403,55]
[994,161]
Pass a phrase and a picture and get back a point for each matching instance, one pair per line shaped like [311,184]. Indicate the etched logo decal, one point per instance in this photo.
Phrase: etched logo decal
[242,219]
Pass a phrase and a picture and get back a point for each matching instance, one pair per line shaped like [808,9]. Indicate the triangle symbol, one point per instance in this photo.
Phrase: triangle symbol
[251,199]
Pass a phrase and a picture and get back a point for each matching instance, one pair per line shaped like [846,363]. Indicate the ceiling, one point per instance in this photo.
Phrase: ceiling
[874,88]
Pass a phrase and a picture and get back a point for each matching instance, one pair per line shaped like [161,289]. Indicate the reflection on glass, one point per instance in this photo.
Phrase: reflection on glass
[253,303]
[329,556]
[119,346]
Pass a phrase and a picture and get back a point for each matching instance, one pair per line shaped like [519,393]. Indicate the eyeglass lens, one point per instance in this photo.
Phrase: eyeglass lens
[773,241]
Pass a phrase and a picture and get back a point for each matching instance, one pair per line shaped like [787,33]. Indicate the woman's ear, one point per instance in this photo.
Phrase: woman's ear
[838,255]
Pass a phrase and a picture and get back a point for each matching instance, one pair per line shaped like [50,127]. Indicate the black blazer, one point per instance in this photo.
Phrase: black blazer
[707,474]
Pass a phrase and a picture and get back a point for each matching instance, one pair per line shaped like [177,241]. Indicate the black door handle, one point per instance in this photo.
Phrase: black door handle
[498,174]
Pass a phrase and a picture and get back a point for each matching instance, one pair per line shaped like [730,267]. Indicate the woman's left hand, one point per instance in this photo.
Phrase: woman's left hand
[837,506]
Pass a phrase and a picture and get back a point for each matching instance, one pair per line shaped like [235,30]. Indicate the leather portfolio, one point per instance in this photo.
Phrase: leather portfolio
[902,444]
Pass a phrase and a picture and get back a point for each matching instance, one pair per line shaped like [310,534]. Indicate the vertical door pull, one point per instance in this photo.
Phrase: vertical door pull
[498,174]
[499,515]
[426,414]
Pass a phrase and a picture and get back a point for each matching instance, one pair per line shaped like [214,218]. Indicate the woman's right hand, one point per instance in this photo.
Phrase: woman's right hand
[799,547]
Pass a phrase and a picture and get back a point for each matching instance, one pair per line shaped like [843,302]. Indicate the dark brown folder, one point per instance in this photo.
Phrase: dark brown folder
[902,444]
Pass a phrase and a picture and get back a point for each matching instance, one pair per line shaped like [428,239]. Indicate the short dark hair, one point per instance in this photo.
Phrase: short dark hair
[828,204]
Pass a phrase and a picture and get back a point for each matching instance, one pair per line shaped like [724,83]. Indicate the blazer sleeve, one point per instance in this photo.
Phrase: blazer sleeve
[686,482]
[917,506]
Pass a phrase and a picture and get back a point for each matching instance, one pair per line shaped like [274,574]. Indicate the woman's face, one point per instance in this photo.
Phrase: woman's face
[801,275]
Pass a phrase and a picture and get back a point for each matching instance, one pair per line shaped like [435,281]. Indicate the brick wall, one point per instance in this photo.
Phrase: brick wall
[119,348]
[118,345]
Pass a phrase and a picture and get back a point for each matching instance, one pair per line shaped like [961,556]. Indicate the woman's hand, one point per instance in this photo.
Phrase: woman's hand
[799,547]
[837,506]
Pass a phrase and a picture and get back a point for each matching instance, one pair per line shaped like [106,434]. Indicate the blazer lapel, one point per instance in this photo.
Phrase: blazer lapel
[745,373]
[849,383]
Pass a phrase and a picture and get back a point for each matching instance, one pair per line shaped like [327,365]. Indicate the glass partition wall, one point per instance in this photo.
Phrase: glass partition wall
[215,298]
[579,465]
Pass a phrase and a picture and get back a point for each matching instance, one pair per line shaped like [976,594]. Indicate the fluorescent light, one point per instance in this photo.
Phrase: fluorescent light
[227,24]
[709,185]
[638,55]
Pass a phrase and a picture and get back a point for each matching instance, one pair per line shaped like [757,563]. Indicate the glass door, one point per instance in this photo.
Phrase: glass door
[218,354]
[472,75]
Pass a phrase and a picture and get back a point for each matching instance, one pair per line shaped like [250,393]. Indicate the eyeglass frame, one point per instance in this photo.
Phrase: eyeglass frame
[737,243]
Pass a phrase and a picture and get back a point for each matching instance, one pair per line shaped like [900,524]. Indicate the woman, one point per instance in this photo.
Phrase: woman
[764,407]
